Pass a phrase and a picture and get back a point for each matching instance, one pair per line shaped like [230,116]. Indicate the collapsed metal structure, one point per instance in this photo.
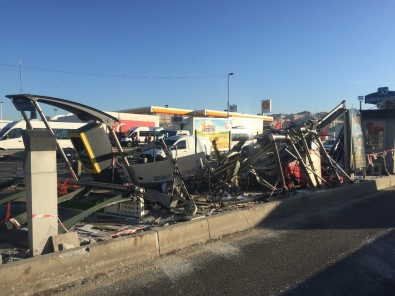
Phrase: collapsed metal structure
[265,161]
[263,165]
[108,186]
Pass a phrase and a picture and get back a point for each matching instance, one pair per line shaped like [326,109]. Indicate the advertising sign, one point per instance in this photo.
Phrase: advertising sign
[266,106]
[215,128]
[357,159]
[382,94]
[233,108]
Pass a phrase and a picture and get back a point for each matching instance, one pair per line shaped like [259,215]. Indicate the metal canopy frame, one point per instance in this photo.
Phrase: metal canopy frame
[83,112]
[29,102]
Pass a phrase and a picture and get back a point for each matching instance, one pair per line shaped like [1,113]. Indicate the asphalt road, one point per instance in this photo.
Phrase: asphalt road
[349,250]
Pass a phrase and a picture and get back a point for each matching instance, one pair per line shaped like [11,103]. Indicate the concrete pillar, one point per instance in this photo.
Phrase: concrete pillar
[316,159]
[41,189]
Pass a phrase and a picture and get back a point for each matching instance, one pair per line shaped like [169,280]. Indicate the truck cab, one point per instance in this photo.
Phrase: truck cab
[180,146]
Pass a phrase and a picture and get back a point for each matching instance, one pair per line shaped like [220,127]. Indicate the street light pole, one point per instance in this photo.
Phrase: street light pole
[360,98]
[228,94]
[1,110]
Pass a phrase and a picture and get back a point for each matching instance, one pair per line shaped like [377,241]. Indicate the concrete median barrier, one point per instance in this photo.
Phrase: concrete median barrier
[261,212]
[123,251]
[182,235]
[225,223]
[49,271]
[382,183]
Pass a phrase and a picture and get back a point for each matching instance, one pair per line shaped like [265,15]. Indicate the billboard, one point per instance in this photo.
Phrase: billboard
[215,129]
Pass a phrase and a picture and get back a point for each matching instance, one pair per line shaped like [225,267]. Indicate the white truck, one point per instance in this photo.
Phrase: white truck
[214,128]
[180,146]
[190,153]
[226,131]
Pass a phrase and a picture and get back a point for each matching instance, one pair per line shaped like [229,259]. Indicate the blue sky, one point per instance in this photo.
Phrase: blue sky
[111,55]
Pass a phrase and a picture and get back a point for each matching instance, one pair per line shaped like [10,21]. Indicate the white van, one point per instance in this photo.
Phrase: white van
[240,133]
[11,135]
[3,123]
[169,133]
[137,135]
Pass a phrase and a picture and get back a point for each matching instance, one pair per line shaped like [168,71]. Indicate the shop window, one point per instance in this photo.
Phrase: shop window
[375,135]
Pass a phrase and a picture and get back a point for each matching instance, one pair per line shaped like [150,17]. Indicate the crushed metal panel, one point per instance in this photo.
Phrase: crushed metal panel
[155,173]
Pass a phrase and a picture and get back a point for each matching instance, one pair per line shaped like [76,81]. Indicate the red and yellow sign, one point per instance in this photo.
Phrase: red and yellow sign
[266,106]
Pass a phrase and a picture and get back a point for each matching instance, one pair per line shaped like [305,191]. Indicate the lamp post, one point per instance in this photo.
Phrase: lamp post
[360,99]
[1,110]
[228,94]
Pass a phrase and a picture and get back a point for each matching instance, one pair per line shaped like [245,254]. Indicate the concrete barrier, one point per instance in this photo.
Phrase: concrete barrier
[382,183]
[49,271]
[182,235]
[261,212]
[223,224]
[123,251]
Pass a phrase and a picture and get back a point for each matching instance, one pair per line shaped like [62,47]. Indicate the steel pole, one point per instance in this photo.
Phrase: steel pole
[227,109]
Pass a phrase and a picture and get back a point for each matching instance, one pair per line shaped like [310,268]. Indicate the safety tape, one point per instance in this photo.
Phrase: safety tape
[43,216]
[15,223]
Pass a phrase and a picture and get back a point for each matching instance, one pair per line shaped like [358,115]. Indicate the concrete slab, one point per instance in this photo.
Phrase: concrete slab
[65,241]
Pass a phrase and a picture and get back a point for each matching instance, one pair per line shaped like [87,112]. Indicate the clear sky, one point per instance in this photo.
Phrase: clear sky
[305,55]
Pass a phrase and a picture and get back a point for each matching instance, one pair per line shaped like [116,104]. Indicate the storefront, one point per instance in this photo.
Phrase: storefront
[379,130]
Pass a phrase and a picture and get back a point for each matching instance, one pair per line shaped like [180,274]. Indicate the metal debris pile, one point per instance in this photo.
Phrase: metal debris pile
[276,163]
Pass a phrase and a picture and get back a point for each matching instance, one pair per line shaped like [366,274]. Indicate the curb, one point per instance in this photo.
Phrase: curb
[37,274]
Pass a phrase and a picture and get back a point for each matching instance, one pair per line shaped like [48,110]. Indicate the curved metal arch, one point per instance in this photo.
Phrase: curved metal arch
[83,112]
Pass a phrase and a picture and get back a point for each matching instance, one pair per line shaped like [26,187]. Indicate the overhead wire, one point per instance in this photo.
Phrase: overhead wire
[109,75]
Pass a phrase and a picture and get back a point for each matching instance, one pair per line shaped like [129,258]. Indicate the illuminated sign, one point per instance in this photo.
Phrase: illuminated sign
[382,94]
[266,106]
